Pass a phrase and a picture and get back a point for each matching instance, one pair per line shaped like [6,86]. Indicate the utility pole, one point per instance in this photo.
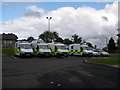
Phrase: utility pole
[106,41]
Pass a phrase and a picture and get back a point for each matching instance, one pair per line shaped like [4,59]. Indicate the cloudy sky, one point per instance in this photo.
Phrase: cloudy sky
[95,22]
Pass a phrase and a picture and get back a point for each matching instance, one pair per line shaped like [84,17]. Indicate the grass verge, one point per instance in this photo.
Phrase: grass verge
[8,51]
[111,61]
[114,55]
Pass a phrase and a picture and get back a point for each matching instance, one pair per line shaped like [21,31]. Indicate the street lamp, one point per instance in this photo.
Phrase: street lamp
[49,22]
[49,26]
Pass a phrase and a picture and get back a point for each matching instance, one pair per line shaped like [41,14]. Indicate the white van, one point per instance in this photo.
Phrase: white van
[74,49]
[41,49]
[80,49]
[58,49]
[86,51]
[23,49]
[102,52]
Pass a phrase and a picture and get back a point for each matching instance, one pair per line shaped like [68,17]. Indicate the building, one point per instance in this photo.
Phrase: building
[8,40]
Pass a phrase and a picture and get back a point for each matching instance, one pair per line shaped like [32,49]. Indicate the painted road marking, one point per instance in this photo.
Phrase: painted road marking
[14,57]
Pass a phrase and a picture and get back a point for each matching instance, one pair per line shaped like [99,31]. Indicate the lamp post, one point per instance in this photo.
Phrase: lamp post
[49,26]
[49,22]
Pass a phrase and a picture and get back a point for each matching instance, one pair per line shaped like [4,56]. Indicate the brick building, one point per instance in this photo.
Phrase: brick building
[8,40]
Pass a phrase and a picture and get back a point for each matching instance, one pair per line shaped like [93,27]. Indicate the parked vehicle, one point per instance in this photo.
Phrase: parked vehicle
[80,49]
[95,53]
[41,49]
[102,52]
[86,51]
[58,49]
[75,49]
[23,49]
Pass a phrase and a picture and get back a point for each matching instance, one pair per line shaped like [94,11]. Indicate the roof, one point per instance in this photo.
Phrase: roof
[23,43]
[9,36]
[73,44]
[42,44]
[37,41]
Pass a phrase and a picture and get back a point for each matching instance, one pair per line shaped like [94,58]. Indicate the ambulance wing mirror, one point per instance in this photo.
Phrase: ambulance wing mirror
[55,48]
[81,48]
[37,48]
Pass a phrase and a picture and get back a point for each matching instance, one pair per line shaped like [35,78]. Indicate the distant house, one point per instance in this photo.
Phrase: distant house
[8,40]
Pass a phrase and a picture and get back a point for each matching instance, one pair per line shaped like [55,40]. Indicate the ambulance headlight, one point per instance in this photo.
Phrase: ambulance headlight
[84,53]
[22,52]
[41,52]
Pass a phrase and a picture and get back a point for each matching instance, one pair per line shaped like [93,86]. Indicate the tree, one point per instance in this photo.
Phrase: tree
[83,41]
[30,39]
[59,39]
[95,46]
[67,41]
[76,38]
[89,44]
[111,45]
[48,36]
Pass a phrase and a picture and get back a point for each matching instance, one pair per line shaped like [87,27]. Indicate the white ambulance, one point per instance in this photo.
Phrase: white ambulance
[23,48]
[74,49]
[80,49]
[58,49]
[41,48]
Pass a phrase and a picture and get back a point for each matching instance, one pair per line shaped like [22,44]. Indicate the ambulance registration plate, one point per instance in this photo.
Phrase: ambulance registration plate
[27,54]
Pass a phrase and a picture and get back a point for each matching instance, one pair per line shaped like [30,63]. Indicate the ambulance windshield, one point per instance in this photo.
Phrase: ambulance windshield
[43,47]
[25,46]
[86,48]
[62,47]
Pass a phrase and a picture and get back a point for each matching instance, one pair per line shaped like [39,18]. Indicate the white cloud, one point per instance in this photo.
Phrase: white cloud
[58,0]
[35,9]
[91,24]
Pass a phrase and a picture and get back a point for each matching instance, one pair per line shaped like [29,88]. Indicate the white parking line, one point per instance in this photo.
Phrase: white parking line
[14,57]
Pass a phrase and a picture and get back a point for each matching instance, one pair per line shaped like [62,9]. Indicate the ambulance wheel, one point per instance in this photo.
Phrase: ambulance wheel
[15,55]
[83,55]
[58,55]
[66,55]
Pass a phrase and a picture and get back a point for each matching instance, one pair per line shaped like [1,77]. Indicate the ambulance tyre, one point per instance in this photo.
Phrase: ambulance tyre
[15,55]
[83,55]
[66,55]
[58,55]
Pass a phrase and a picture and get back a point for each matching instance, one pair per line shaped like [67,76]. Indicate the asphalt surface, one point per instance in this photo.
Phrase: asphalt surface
[70,72]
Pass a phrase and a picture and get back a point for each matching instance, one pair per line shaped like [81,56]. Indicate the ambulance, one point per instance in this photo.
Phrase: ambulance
[86,51]
[94,52]
[23,48]
[80,49]
[102,52]
[41,48]
[58,49]
[75,49]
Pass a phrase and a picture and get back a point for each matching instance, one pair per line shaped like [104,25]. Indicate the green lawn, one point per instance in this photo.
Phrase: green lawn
[111,61]
[114,55]
[8,51]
